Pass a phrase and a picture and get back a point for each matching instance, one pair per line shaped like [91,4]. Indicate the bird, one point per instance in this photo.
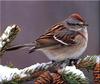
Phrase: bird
[65,40]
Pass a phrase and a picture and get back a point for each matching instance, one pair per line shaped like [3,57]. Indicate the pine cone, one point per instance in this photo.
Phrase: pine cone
[57,79]
[37,74]
[49,78]
[44,78]
[96,73]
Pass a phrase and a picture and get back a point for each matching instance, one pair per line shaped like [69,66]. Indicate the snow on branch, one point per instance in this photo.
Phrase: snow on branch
[9,75]
[7,37]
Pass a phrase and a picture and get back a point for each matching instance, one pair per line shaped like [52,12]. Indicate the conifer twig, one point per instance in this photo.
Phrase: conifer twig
[87,63]
[68,72]
[7,37]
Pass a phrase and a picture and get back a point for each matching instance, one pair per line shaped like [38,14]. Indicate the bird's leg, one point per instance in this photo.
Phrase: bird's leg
[73,62]
[54,63]
[53,67]
[59,64]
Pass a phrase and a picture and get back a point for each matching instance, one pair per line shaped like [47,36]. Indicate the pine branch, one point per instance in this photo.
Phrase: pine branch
[30,73]
[87,63]
[73,78]
[7,37]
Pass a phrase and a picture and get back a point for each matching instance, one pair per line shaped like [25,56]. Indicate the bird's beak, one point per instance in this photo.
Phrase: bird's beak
[85,24]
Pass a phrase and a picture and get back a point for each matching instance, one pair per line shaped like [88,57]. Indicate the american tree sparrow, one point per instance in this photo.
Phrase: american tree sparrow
[67,39]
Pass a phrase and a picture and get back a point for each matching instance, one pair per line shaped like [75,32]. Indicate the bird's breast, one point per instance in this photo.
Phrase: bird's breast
[59,53]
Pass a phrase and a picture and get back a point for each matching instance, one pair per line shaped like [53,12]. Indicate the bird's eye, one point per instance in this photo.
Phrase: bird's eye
[73,24]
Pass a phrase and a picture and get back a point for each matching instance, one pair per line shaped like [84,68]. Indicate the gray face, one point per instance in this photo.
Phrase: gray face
[75,24]
[73,21]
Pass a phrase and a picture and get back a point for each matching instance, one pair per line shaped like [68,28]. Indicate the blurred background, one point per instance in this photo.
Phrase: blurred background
[36,17]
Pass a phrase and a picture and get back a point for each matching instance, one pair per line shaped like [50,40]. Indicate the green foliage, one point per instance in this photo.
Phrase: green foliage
[87,62]
[72,78]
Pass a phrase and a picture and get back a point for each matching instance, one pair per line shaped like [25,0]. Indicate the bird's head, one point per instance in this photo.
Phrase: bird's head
[76,22]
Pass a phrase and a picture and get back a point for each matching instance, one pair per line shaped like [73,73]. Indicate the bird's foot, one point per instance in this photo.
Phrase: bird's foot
[73,62]
[60,64]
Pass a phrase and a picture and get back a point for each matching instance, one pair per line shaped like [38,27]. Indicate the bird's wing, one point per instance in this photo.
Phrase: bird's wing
[66,36]
[47,39]
[58,34]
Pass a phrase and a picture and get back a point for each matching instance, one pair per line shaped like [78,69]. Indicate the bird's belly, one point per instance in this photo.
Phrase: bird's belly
[63,52]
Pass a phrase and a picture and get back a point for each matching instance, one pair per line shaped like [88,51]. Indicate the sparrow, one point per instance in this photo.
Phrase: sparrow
[65,40]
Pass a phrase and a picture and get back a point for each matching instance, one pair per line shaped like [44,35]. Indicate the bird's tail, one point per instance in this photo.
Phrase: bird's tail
[17,47]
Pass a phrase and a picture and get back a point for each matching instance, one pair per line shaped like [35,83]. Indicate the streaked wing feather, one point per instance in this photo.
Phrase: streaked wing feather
[47,39]
[66,37]
[57,34]
[59,40]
